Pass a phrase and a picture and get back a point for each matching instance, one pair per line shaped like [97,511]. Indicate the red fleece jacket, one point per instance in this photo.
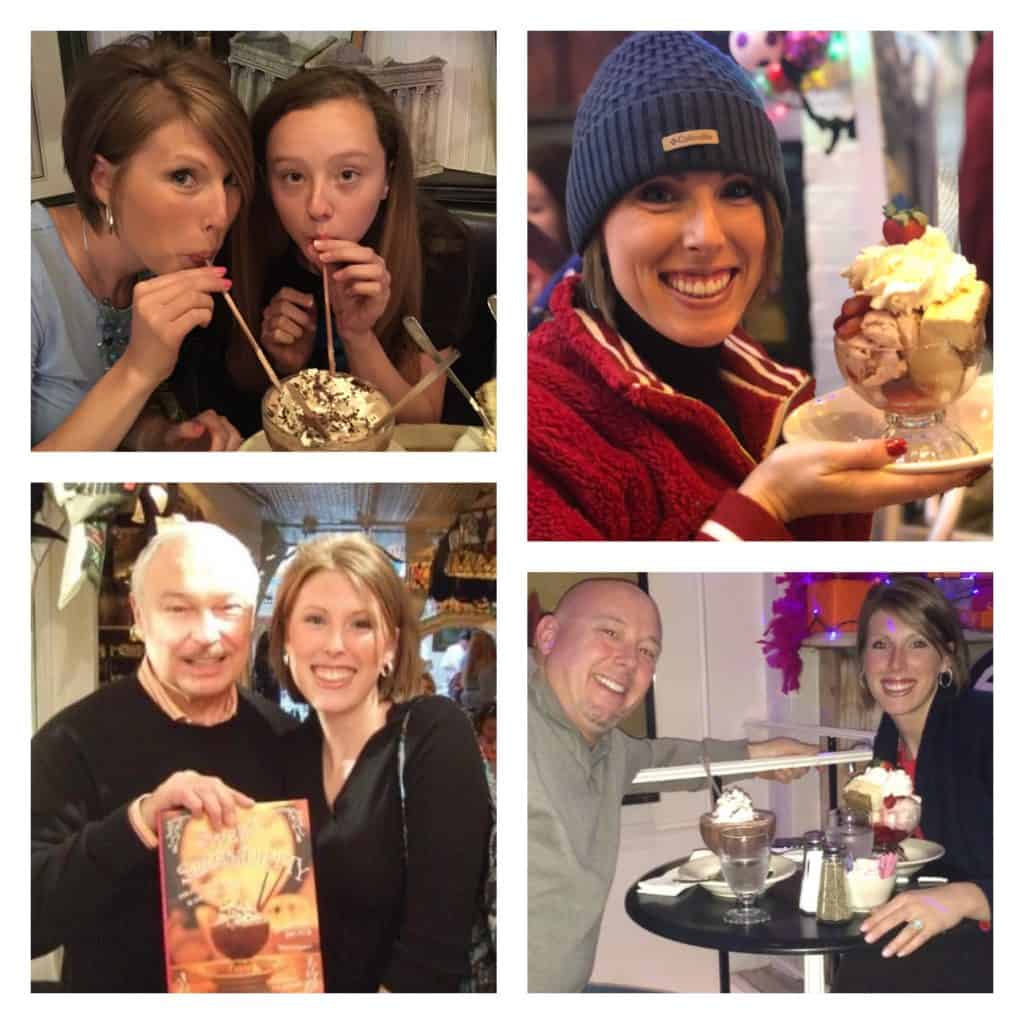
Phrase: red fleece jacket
[617,454]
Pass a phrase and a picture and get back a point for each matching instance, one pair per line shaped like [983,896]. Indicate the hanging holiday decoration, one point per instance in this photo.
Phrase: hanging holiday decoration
[90,509]
[829,603]
[784,63]
[753,50]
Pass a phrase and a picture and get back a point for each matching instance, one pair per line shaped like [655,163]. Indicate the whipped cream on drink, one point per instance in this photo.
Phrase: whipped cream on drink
[734,806]
[346,408]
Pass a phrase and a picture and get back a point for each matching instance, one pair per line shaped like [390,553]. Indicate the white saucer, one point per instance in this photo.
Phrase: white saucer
[918,853]
[258,443]
[844,416]
[708,872]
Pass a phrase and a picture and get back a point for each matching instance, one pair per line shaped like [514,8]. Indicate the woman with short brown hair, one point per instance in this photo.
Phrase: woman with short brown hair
[158,152]
[396,787]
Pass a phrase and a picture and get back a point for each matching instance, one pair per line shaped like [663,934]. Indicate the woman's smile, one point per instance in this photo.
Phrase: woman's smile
[702,287]
[686,253]
[333,676]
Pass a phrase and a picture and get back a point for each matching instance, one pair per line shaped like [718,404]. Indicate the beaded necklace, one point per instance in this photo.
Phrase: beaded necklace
[113,325]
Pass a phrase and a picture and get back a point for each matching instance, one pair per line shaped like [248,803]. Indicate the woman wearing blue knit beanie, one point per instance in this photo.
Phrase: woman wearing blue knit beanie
[652,415]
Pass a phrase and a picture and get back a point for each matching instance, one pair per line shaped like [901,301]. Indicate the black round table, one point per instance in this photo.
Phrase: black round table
[695,917]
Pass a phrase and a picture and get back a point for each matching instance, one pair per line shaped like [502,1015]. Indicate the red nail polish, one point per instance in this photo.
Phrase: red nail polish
[896,446]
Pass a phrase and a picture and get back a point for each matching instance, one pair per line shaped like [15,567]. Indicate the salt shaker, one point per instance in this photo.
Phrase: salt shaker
[811,882]
[833,899]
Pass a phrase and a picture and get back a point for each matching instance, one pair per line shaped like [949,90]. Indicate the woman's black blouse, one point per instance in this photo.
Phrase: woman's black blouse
[953,777]
[384,920]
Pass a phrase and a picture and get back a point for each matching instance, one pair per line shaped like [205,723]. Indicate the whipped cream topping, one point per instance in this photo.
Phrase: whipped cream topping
[902,278]
[891,781]
[236,915]
[348,408]
[734,805]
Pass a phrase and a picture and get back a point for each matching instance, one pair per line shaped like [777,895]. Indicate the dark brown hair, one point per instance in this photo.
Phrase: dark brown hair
[368,568]
[919,604]
[481,653]
[128,90]
[394,234]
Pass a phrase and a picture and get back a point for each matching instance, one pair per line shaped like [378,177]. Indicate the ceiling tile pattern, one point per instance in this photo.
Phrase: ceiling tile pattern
[415,506]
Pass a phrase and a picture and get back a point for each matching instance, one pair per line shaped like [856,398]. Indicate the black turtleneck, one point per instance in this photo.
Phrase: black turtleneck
[695,372]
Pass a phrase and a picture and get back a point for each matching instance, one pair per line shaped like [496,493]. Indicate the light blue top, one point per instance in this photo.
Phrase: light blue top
[75,337]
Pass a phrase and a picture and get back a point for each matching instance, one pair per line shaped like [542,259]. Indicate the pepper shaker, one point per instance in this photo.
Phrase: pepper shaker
[810,884]
[833,899]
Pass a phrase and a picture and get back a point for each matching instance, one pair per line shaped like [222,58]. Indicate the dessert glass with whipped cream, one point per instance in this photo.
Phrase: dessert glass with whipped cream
[911,339]
[239,932]
[348,409]
[885,795]
[735,809]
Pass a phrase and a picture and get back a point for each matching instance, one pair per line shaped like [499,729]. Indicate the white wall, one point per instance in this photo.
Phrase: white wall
[844,193]
[695,695]
[466,122]
[65,646]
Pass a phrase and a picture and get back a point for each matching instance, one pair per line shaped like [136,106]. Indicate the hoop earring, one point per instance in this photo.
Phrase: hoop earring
[386,669]
[286,660]
[108,217]
[945,679]
[133,634]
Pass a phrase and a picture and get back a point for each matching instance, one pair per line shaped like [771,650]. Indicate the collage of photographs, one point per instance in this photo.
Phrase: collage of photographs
[264,683]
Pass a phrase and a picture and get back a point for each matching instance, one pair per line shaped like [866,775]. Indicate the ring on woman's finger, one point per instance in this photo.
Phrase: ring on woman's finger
[917,924]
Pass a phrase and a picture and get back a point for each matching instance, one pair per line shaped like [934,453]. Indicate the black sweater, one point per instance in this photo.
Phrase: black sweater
[95,886]
[381,924]
[954,780]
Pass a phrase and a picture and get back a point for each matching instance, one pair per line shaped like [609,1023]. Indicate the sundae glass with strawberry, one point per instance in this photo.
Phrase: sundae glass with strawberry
[885,796]
[911,338]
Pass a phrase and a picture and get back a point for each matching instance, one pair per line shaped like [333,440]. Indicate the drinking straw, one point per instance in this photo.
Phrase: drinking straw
[330,325]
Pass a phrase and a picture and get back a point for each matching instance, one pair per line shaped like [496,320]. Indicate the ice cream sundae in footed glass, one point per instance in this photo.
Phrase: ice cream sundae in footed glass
[910,340]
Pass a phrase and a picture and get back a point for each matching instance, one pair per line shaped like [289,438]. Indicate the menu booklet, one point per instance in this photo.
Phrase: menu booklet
[239,905]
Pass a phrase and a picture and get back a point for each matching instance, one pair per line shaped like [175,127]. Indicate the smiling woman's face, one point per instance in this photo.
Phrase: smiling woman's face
[687,253]
[901,666]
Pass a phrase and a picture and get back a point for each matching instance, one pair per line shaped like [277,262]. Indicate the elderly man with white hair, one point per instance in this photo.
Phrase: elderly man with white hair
[180,733]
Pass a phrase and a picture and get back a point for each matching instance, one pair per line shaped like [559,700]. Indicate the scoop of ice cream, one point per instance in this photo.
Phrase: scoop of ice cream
[906,277]
[734,805]
[882,329]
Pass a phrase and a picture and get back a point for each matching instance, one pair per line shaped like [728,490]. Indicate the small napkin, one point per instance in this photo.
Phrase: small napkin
[669,884]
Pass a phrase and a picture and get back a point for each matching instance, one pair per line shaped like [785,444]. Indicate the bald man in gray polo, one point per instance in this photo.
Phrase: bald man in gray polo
[595,659]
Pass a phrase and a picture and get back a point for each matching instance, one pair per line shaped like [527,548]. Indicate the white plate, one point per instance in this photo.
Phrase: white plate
[705,869]
[440,437]
[844,416]
[918,853]
[258,443]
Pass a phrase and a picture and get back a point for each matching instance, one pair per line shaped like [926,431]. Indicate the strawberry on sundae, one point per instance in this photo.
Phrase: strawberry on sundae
[910,339]
[885,796]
